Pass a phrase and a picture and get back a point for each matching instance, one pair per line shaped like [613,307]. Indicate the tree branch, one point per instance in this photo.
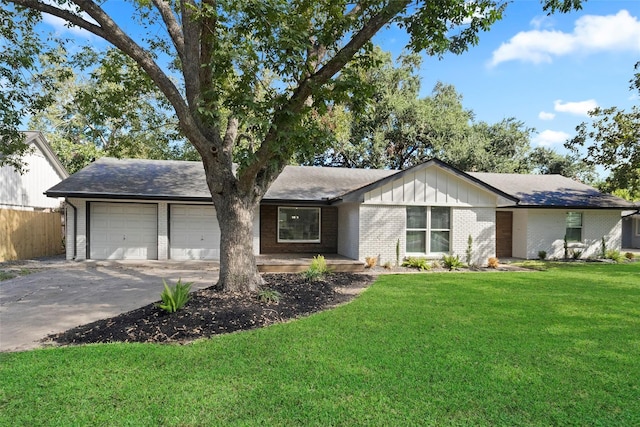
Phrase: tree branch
[173,27]
[296,102]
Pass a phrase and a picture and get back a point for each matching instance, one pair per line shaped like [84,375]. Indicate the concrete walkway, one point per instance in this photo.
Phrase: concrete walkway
[58,294]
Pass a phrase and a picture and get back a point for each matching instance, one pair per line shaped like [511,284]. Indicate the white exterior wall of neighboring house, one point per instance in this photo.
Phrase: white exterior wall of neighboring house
[348,230]
[546,229]
[26,191]
[78,230]
[480,224]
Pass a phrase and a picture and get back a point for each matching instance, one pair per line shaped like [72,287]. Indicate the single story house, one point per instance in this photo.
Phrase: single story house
[631,229]
[150,209]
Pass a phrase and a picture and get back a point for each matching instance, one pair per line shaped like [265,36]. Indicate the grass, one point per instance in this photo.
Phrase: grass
[6,275]
[555,347]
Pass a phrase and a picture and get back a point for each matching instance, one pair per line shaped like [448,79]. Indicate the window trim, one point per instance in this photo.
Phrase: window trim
[428,230]
[318,240]
[581,228]
[636,221]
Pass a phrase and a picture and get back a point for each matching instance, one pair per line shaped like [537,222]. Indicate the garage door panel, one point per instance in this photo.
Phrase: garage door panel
[194,232]
[123,231]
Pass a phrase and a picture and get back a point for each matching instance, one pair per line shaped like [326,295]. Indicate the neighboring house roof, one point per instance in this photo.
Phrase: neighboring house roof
[38,139]
[551,191]
[185,181]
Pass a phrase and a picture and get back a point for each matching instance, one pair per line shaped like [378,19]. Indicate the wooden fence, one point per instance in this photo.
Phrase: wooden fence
[28,234]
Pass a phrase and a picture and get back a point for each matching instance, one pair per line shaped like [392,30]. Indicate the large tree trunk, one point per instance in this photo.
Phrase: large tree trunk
[238,269]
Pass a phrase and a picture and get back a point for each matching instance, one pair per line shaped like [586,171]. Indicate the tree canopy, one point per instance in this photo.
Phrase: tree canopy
[613,140]
[248,76]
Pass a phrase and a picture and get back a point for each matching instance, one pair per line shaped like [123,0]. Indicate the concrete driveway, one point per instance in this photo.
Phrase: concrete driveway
[58,295]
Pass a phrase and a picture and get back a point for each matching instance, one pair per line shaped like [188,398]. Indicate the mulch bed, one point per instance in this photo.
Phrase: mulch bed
[210,312]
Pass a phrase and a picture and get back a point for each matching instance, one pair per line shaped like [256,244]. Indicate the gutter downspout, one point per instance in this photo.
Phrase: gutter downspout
[75,228]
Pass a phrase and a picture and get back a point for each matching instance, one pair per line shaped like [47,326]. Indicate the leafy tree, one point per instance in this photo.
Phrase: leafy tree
[613,141]
[391,126]
[110,110]
[547,161]
[228,51]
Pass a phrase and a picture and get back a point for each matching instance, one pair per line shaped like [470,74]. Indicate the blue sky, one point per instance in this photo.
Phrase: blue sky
[547,71]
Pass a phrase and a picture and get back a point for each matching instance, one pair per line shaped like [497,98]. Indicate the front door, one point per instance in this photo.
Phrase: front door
[504,234]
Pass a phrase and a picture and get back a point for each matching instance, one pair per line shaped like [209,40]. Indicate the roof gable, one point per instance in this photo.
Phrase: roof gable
[38,140]
[419,184]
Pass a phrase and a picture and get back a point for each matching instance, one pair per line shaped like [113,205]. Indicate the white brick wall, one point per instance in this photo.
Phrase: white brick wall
[380,229]
[546,229]
[480,224]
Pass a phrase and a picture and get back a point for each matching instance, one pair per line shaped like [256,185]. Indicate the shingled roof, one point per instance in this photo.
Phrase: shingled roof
[181,180]
[111,178]
[551,191]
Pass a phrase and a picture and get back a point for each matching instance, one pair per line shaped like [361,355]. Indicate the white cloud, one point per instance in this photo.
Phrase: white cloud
[591,33]
[62,26]
[543,115]
[548,138]
[580,108]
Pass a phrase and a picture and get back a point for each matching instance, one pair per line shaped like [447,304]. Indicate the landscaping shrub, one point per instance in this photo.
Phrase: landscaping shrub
[269,296]
[452,262]
[173,299]
[614,255]
[628,255]
[317,269]
[576,254]
[370,261]
[542,255]
[415,262]
[493,262]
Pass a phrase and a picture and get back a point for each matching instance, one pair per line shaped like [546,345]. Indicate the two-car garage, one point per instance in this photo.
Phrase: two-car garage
[130,231]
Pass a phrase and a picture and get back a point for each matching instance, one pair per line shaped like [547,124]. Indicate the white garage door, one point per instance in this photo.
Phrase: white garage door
[123,231]
[195,233]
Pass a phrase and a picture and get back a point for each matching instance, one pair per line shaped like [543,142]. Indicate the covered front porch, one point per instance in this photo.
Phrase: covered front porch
[297,263]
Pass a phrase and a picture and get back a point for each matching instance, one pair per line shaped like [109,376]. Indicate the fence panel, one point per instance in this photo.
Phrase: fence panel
[28,234]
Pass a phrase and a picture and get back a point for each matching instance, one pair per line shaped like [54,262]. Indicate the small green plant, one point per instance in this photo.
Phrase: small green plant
[5,275]
[628,255]
[603,248]
[452,262]
[614,256]
[317,269]
[469,252]
[415,262]
[542,255]
[269,296]
[387,265]
[576,254]
[173,299]
[398,253]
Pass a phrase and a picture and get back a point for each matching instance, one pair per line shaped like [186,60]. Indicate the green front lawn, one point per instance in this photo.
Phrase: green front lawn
[555,347]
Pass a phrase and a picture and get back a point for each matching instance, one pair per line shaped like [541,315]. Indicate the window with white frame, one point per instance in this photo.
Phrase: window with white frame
[428,229]
[299,225]
[573,231]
